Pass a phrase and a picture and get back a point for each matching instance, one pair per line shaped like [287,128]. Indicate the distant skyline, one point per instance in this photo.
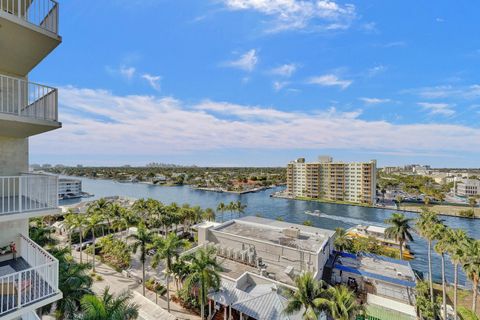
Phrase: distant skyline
[262,82]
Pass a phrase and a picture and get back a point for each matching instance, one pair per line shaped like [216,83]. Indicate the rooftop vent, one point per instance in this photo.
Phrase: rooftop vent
[292,232]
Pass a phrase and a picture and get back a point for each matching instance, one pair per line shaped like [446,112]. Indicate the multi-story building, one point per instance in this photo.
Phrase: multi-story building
[467,187]
[28,274]
[69,188]
[332,180]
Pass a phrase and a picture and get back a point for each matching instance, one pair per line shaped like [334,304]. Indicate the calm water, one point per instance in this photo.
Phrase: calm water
[333,215]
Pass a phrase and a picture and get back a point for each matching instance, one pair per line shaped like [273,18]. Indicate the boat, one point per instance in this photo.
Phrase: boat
[378,233]
[315,213]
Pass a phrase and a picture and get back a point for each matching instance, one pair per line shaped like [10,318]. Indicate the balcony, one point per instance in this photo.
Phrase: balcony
[30,280]
[30,29]
[32,194]
[26,108]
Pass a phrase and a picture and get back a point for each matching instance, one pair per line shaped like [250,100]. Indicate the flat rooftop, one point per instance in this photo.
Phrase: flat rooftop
[272,231]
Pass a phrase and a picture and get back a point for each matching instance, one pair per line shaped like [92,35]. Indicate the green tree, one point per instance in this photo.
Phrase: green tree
[471,267]
[204,275]
[441,247]
[310,297]
[221,208]
[456,250]
[91,223]
[399,230]
[342,241]
[141,241]
[468,314]
[69,222]
[342,303]
[73,281]
[108,307]
[425,227]
[209,214]
[167,249]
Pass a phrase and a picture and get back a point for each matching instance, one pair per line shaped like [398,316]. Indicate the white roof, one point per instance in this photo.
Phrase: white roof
[391,304]
[376,229]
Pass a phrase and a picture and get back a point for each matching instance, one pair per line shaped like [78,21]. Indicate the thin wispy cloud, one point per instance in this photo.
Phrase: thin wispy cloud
[316,15]
[153,81]
[165,125]
[279,85]
[285,70]
[443,109]
[448,91]
[376,70]
[330,80]
[372,101]
[123,71]
[245,62]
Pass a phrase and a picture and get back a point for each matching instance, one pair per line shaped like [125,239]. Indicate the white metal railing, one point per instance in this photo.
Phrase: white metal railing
[32,284]
[28,192]
[42,13]
[28,99]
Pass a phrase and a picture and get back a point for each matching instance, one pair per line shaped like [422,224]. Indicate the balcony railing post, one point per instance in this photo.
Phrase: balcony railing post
[20,194]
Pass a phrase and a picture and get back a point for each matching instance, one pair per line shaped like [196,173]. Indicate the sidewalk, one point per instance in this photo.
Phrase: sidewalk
[118,283]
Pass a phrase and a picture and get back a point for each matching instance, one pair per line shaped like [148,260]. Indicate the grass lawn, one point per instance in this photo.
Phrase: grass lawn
[464,297]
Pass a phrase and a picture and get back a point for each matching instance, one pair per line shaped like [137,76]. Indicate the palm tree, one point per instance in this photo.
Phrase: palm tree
[108,307]
[209,214]
[441,248]
[91,224]
[399,200]
[167,249]
[468,314]
[399,230]
[342,241]
[73,282]
[221,208]
[342,303]
[101,207]
[79,223]
[142,239]
[471,266]
[310,297]
[204,275]
[425,224]
[69,222]
[240,207]
[458,238]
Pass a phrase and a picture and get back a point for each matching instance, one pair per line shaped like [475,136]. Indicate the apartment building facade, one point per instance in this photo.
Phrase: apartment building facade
[332,180]
[28,273]
[467,187]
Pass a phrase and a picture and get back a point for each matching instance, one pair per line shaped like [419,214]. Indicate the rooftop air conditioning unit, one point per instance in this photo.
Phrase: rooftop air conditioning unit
[292,233]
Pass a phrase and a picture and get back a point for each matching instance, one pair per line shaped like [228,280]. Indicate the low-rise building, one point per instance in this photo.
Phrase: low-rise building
[386,285]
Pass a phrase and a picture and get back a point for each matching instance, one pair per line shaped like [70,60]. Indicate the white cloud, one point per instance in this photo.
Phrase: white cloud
[153,81]
[279,85]
[374,100]
[329,80]
[448,91]
[300,14]
[376,70]
[124,71]
[443,109]
[99,122]
[285,70]
[246,62]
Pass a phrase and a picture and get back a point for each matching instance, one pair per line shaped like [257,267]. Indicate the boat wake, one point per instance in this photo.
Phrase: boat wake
[348,220]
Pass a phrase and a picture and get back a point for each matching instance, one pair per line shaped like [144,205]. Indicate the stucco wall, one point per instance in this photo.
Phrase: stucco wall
[9,231]
[13,156]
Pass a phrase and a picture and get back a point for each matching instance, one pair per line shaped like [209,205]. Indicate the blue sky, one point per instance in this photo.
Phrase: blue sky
[261,82]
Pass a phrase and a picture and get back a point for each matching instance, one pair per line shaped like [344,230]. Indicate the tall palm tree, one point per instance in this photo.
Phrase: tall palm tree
[342,241]
[141,240]
[425,223]
[399,230]
[240,207]
[221,208]
[101,207]
[204,275]
[456,250]
[310,297]
[73,281]
[471,266]
[441,247]
[209,214]
[91,223]
[79,223]
[342,303]
[167,249]
[69,221]
[108,307]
